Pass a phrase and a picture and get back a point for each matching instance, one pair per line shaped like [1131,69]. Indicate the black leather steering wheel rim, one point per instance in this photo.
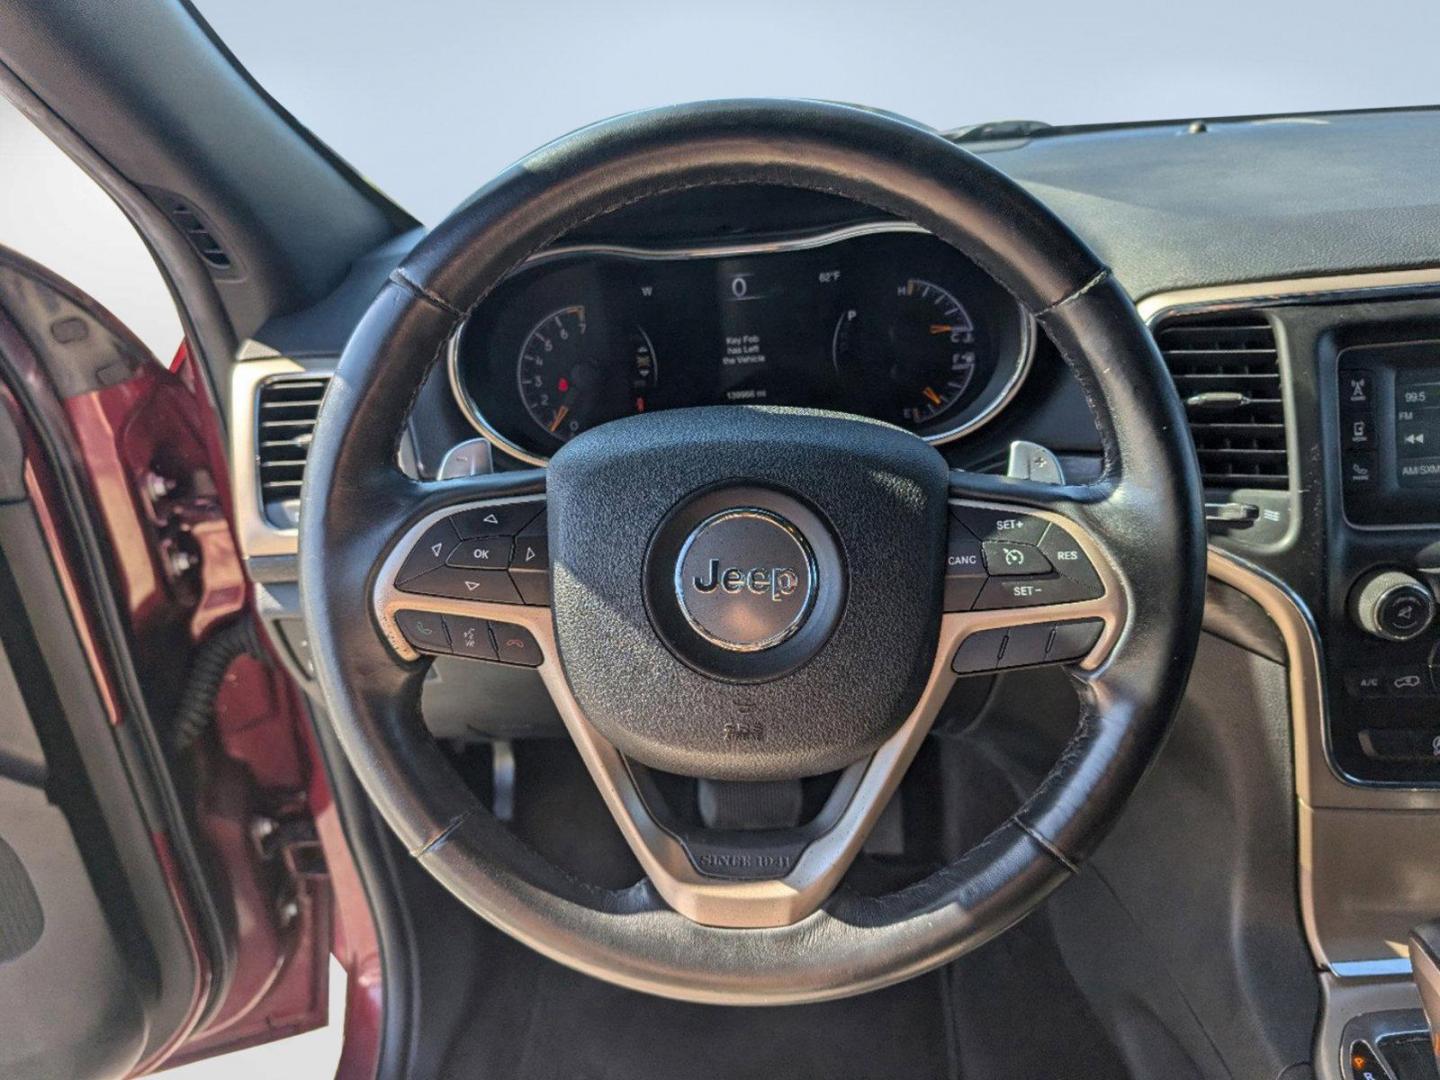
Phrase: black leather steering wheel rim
[1147,506]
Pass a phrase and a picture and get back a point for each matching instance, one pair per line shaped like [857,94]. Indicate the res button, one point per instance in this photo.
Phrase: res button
[1069,558]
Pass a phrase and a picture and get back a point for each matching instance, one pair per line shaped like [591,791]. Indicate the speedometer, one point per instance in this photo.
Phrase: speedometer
[912,354]
[573,375]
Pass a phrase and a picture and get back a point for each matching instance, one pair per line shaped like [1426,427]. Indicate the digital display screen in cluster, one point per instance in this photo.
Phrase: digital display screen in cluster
[1417,427]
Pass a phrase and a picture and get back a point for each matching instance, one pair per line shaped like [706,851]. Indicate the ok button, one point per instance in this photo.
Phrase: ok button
[485,553]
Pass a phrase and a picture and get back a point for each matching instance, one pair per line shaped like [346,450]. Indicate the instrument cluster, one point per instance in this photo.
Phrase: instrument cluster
[881,320]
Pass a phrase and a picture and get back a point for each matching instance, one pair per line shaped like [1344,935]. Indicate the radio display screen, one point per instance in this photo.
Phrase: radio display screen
[1417,427]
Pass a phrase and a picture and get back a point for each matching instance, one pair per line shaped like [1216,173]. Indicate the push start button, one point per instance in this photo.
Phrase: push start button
[746,579]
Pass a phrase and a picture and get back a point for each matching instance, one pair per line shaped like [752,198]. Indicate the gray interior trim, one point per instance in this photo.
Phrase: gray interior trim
[1344,1000]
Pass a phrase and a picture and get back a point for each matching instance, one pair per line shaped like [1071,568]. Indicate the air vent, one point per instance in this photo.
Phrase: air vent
[196,229]
[1228,374]
[287,409]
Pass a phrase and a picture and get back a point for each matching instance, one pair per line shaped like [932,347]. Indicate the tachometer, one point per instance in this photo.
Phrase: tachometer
[910,356]
[574,375]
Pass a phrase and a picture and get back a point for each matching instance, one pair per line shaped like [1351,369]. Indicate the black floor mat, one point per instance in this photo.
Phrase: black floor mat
[536,1020]
[1009,1011]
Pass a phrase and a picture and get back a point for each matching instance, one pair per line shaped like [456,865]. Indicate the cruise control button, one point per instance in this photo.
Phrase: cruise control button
[491,585]
[1004,559]
[1000,524]
[470,637]
[964,569]
[424,630]
[963,559]
[481,553]
[1031,592]
[429,551]
[516,645]
[1068,557]
[505,520]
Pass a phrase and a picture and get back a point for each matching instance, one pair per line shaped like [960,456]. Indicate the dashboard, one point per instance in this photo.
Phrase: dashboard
[877,319]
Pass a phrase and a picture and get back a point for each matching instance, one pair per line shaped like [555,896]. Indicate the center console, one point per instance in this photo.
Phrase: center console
[1338,538]
[1385,650]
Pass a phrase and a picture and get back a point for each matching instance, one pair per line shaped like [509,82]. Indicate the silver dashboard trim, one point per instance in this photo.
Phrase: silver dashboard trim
[258,538]
[476,416]
[1328,288]
[1372,969]
[1307,706]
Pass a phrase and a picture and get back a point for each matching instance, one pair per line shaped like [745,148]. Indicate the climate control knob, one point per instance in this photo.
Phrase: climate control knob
[1392,605]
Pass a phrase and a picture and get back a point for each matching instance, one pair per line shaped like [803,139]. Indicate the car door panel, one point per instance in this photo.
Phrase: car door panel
[181,767]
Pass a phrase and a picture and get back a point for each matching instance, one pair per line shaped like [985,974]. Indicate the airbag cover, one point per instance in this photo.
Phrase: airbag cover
[871,501]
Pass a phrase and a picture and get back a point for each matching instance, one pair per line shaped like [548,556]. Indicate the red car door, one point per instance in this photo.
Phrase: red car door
[173,877]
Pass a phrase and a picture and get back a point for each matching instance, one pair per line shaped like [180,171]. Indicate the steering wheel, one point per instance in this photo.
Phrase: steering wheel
[751,594]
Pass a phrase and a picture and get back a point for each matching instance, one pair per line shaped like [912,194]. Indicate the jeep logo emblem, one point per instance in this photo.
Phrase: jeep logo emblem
[745,579]
[778,581]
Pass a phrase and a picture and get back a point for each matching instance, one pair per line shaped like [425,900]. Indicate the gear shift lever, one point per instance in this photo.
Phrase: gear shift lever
[1425,967]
